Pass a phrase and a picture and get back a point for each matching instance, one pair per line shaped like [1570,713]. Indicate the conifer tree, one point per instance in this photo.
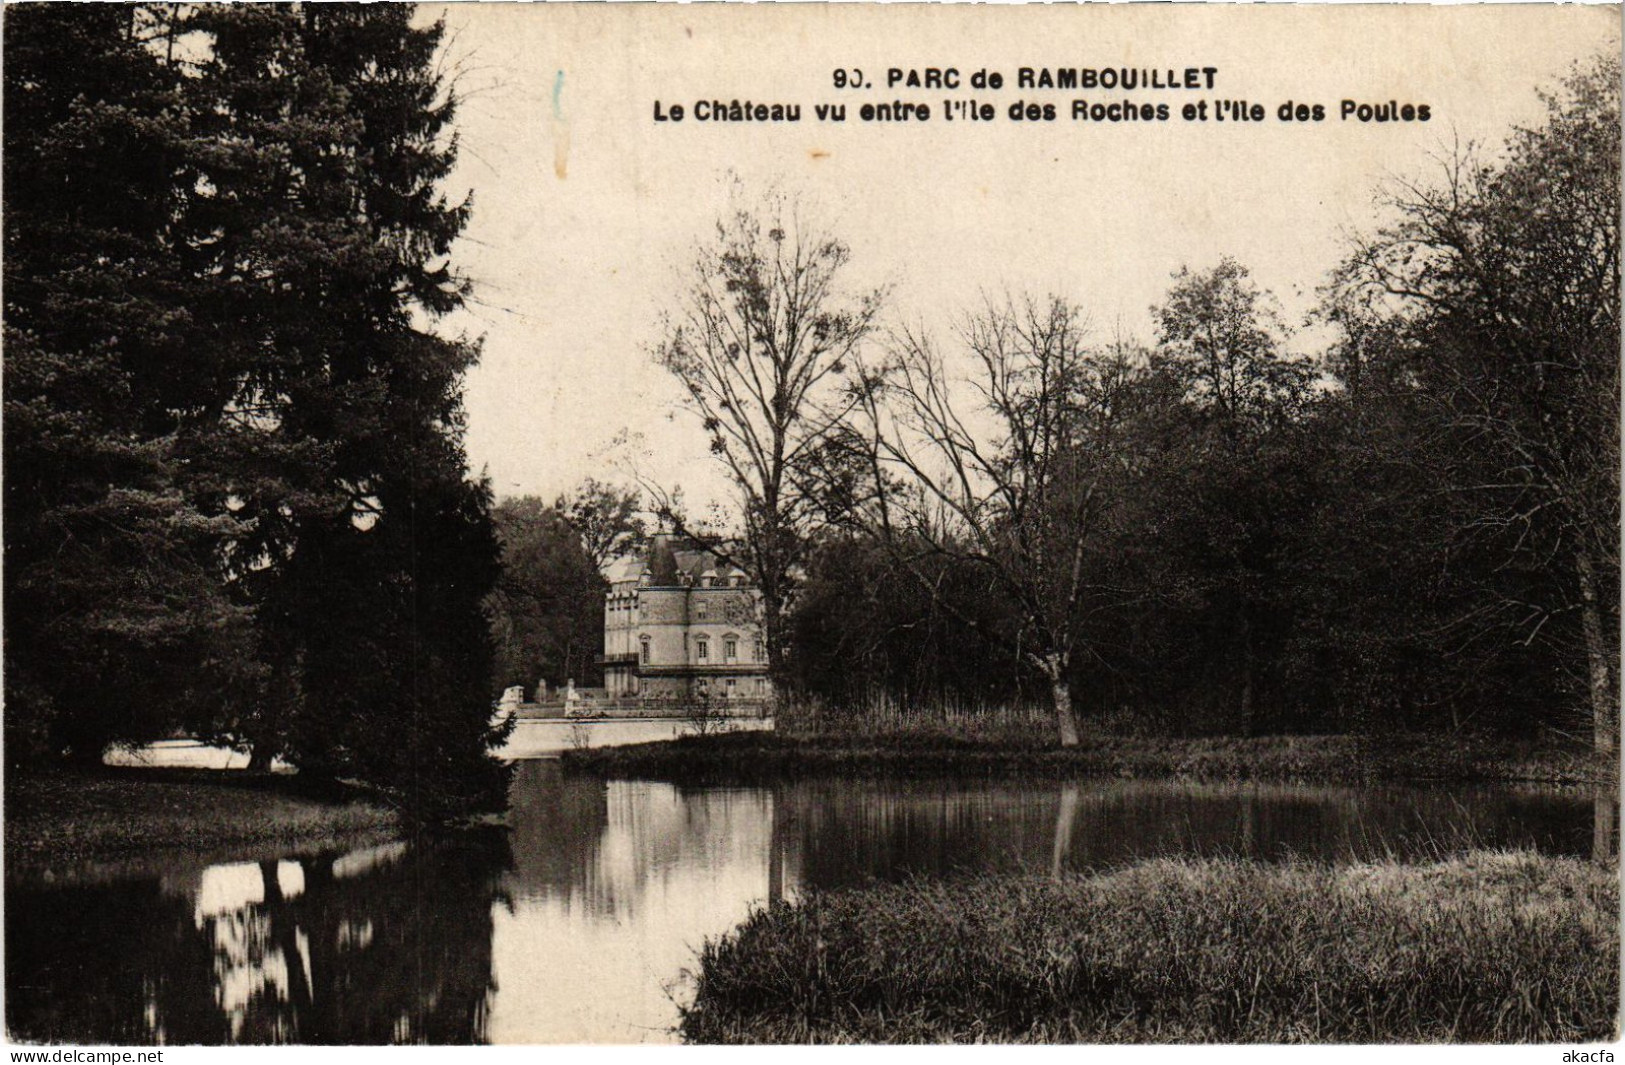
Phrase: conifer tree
[236,488]
[374,548]
[117,626]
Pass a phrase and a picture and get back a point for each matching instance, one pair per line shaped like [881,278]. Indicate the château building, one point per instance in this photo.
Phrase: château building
[680,624]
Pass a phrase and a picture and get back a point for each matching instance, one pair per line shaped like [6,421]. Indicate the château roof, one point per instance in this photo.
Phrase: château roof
[669,561]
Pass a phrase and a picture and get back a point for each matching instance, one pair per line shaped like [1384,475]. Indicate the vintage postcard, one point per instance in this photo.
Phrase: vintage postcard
[794,523]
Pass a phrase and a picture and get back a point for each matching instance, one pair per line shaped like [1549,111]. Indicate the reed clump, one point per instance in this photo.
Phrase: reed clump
[1482,947]
[966,721]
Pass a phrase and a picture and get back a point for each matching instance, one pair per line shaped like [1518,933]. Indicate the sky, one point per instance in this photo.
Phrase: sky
[586,209]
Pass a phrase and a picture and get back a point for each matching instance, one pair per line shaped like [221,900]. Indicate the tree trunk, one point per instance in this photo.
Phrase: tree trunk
[1065,719]
[771,628]
[1602,828]
[262,744]
[1248,726]
[1604,714]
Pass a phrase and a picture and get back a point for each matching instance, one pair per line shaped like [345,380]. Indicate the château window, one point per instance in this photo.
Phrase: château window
[761,651]
[643,650]
[730,650]
[732,684]
[700,609]
[703,651]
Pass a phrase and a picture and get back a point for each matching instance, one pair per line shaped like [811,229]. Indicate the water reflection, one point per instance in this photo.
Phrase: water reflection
[1605,828]
[578,924]
[624,880]
[843,832]
[387,946]
[614,888]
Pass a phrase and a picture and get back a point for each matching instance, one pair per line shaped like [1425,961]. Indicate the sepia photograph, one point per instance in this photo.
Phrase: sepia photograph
[810,524]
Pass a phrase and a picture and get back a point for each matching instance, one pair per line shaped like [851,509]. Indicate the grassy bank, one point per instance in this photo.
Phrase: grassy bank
[763,757]
[75,814]
[1483,948]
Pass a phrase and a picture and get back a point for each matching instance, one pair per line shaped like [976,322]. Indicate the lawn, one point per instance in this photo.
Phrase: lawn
[68,814]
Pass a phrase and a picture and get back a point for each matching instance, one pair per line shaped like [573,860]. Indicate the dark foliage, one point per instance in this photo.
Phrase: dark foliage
[237,502]
[1415,528]
[547,609]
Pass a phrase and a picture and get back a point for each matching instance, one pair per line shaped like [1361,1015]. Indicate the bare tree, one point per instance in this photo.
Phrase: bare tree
[1012,470]
[763,340]
[606,519]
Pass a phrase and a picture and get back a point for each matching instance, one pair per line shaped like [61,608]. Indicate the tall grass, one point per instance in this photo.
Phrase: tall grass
[1011,743]
[1487,947]
[948,719]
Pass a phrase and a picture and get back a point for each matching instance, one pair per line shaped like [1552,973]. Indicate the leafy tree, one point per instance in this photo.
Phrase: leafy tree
[1505,276]
[1220,337]
[547,609]
[1240,480]
[1376,648]
[865,633]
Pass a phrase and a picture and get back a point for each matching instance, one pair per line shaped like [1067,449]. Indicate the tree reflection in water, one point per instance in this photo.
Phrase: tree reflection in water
[391,945]
[581,923]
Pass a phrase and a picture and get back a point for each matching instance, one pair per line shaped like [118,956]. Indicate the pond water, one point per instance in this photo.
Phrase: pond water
[580,921]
